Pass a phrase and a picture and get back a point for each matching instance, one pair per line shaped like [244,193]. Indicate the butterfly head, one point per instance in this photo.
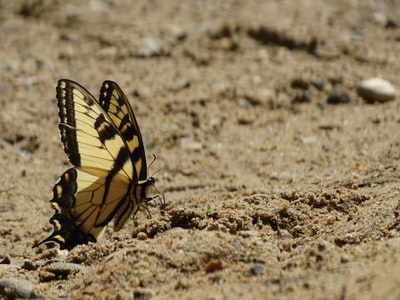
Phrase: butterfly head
[149,185]
[148,188]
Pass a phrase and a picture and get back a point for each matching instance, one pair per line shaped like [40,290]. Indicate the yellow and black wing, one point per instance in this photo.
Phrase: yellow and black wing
[109,180]
[114,101]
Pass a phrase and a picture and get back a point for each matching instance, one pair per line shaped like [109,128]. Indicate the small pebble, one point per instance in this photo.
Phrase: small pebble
[344,258]
[225,44]
[14,288]
[376,90]
[147,47]
[379,18]
[214,265]
[179,33]
[189,143]
[141,236]
[260,96]
[338,96]
[256,269]
[318,83]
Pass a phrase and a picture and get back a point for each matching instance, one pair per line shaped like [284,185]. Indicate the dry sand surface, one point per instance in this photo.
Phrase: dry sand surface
[272,192]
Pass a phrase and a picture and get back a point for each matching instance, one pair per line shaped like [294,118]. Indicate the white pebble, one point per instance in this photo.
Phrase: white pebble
[147,47]
[376,90]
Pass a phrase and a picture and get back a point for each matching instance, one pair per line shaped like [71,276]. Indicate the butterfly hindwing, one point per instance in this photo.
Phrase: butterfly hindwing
[103,141]
[66,230]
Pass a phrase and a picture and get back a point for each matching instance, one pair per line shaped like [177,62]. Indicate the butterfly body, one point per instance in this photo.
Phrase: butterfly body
[109,179]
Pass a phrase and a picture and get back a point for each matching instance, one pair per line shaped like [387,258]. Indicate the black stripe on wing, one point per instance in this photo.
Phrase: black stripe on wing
[119,163]
[105,130]
[67,126]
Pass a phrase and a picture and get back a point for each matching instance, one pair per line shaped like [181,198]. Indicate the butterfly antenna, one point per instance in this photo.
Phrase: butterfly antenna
[153,160]
[148,168]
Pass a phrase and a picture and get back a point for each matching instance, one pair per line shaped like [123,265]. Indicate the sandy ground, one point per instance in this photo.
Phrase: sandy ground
[272,192]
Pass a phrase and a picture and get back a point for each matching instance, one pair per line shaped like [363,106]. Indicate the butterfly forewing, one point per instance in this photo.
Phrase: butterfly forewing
[113,100]
[89,137]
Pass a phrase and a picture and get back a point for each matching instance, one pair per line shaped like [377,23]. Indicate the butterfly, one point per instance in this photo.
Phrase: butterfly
[109,178]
